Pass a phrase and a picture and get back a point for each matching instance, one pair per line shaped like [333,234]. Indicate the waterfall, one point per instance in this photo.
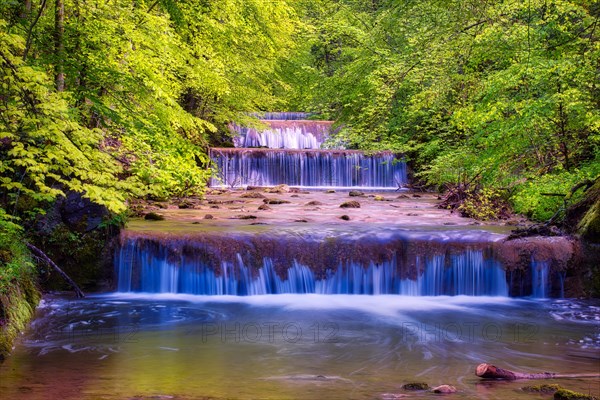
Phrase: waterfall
[283,134]
[316,168]
[540,271]
[159,269]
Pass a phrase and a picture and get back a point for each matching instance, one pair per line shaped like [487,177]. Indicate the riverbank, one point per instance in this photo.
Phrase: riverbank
[19,294]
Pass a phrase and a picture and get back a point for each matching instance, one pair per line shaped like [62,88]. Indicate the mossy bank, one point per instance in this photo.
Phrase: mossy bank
[19,294]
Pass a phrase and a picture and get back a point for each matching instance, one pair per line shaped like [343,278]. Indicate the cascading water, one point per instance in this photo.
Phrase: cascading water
[540,271]
[315,168]
[288,151]
[283,131]
[157,268]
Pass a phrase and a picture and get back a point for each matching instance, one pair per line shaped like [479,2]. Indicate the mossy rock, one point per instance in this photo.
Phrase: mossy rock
[152,216]
[276,201]
[355,193]
[564,394]
[543,388]
[379,198]
[415,386]
[350,204]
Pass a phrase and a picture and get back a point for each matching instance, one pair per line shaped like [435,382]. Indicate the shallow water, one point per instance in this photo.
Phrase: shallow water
[296,346]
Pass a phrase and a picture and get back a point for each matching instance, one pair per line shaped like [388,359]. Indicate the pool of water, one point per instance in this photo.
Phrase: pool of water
[121,346]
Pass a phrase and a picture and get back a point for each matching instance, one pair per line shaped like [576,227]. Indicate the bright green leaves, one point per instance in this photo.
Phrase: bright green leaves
[503,91]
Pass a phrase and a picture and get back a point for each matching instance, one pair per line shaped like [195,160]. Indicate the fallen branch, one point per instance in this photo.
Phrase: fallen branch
[488,371]
[62,273]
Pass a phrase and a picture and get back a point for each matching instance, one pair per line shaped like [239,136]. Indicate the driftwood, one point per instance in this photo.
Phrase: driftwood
[39,253]
[488,371]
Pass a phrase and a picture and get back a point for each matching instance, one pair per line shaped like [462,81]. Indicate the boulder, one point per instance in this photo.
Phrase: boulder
[350,204]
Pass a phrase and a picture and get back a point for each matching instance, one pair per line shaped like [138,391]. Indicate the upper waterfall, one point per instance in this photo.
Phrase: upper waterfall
[284,130]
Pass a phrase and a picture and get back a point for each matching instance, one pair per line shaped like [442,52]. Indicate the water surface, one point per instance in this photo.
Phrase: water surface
[121,346]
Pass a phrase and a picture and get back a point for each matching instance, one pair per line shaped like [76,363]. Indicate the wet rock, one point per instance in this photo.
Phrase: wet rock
[152,216]
[301,220]
[415,386]
[416,196]
[294,195]
[379,198]
[403,196]
[413,215]
[314,203]
[253,195]
[345,217]
[276,201]
[264,207]
[209,216]
[355,193]
[330,191]
[278,189]
[446,389]
[195,223]
[215,206]
[350,204]
[449,223]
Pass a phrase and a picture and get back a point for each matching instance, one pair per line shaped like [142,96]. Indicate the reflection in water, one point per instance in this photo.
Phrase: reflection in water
[294,346]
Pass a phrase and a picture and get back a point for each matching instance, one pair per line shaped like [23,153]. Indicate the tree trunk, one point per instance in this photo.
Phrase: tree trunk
[488,371]
[59,44]
[39,253]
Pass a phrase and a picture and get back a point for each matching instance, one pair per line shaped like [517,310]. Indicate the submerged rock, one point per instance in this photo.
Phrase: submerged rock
[564,394]
[264,207]
[379,198]
[245,216]
[276,201]
[415,386]
[314,203]
[543,388]
[209,216]
[345,217]
[350,204]
[152,216]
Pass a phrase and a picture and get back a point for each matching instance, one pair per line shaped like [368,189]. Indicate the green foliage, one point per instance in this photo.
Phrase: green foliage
[15,263]
[503,92]
[147,85]
[485,204]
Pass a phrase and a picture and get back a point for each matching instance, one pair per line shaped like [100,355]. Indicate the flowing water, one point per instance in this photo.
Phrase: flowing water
[317,308]
[290,346]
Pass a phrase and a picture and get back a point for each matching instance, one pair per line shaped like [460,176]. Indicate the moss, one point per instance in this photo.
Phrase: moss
[415,386]
[18,292]
[564,394]
[350,204]
[152,216]
[543,388]
[589,227]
